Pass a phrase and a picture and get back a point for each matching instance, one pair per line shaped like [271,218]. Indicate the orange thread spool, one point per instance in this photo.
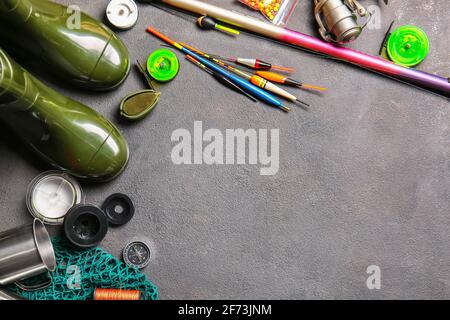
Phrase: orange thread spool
[116,294]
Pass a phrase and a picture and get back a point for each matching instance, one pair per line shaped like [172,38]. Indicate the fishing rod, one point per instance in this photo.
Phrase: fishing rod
[413,77]
[248,87]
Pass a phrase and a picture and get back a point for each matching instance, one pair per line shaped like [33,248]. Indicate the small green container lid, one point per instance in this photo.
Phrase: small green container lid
[163,65]
[408,46]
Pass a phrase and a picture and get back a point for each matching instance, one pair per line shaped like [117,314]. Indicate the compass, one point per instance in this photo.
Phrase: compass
[136,254]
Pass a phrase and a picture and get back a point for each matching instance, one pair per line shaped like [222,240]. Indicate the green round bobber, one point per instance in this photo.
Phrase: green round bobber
[408,46]
[163,65]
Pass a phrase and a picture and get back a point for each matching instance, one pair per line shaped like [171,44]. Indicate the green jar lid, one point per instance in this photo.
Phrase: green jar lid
[163,65]
[408,46]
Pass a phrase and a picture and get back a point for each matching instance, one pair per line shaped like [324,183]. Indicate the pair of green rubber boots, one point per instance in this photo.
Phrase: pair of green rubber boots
[64,132]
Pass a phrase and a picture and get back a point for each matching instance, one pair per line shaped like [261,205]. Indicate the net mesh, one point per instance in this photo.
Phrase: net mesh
[80,271]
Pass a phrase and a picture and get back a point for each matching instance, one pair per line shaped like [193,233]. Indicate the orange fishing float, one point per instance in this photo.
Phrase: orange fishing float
[116,294]
[279,78]
[256,80]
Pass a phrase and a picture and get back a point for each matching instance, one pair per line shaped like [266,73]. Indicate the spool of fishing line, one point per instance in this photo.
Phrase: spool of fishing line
[408,46]
[122,14]
[51,195]
[116,294]
[163,65]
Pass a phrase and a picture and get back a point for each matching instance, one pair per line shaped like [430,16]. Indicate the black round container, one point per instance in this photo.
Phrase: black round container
[119,209]
[85,225]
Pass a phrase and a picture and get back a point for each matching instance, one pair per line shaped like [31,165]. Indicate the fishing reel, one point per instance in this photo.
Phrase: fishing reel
[337,19]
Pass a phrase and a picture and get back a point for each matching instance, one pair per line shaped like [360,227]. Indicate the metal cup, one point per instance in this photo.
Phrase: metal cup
[6,295]
[25,252]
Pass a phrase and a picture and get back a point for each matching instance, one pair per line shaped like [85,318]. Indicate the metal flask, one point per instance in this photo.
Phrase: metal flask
[25,252]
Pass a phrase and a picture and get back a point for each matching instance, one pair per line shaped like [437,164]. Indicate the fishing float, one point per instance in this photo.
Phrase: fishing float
[257,64]
[262,73]
[248,87]
[220,78]
[252,78]
[279,78]
[208,23]
[437,84]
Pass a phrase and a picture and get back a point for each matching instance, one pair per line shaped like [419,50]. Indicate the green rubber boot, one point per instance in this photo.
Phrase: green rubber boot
[66,133]
[88,54]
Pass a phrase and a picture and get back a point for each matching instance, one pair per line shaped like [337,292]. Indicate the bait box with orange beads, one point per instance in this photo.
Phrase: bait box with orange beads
[276,11]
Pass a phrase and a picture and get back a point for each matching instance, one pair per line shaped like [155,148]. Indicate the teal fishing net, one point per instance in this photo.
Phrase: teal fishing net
[80,271]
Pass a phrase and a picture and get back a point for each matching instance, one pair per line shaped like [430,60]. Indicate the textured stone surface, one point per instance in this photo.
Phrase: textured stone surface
[364,175]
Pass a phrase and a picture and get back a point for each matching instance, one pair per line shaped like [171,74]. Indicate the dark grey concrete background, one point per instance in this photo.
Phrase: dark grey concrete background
[364,175]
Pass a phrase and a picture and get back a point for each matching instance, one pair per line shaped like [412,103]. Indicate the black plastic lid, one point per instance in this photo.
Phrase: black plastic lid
[85,225]
[119,209]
